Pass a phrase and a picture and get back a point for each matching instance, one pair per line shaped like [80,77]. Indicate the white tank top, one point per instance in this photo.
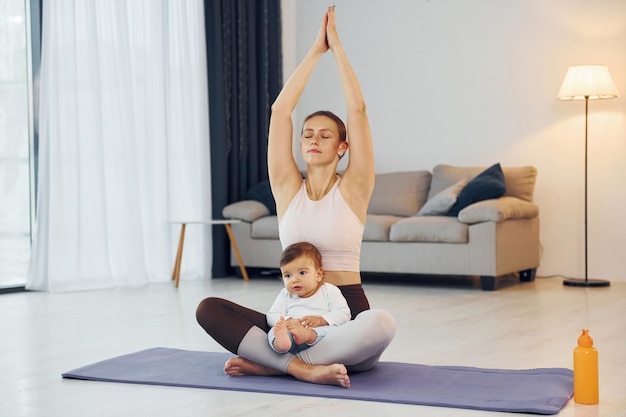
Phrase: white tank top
[329,224]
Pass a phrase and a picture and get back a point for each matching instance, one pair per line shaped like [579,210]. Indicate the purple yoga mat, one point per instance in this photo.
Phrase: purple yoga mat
[539,391]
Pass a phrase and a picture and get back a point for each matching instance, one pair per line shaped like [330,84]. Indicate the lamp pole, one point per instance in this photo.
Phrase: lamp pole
[586,245]
[586,282]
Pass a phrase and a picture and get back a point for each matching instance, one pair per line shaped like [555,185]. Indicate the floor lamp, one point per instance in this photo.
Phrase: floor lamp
[587,82]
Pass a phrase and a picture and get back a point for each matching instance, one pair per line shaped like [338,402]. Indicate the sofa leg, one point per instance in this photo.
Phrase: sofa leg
[527,275]
[488,283]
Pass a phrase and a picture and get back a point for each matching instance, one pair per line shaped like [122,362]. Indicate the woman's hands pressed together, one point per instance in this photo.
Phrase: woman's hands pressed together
[332,37]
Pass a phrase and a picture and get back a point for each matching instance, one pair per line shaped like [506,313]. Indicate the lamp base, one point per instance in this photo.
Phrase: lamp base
[578,282]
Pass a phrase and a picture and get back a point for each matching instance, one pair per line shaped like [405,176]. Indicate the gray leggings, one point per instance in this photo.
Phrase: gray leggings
[358,344]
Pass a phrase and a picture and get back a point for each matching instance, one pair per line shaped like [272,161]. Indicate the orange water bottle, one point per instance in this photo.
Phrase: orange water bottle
[586,389]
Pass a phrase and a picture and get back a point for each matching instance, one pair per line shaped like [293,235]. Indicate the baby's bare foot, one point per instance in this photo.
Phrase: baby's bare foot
[282,338]
[300,333]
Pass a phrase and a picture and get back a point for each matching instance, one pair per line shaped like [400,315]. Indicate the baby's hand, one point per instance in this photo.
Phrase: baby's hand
[289,323]
[313,321]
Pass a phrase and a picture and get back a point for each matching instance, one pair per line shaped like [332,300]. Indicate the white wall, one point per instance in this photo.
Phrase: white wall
[474,82]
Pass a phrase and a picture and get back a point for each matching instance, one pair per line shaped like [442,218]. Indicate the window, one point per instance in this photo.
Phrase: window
[15,143]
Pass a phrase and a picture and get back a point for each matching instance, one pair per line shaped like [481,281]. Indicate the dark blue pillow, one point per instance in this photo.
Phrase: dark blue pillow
[488,184]
[262,193]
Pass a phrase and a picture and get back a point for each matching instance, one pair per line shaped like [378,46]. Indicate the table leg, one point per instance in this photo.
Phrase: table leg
[233,242]
[179,255]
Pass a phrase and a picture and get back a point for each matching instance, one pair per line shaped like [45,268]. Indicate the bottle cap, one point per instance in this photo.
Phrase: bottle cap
[584,339]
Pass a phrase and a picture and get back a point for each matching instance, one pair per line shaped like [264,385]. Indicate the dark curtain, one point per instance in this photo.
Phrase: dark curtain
[243,39]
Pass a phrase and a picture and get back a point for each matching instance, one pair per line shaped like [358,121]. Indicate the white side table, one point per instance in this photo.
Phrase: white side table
[181,240]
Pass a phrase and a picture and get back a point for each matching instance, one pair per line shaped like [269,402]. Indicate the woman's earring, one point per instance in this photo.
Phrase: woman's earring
[340,155]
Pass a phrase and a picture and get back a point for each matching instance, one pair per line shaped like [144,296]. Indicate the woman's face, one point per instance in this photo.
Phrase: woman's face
[320,143]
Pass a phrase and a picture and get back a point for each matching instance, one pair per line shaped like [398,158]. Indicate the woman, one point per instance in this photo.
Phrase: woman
[325,209]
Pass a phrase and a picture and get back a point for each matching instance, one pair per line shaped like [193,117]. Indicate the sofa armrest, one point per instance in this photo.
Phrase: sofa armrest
[246,210]
[498,210]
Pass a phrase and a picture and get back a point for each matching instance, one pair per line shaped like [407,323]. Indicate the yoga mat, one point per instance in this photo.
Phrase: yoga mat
[539,391]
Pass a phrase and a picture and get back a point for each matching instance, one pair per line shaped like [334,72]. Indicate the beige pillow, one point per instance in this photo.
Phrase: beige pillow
[440,204]
[246,210]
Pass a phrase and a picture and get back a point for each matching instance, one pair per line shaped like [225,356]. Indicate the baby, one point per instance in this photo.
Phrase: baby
[306,308]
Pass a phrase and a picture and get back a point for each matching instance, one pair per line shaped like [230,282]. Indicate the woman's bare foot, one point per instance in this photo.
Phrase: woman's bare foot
[335,374]
[282,338]
[241,366]
[300,333]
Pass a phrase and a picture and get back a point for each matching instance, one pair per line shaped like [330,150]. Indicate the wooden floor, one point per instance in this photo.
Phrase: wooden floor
[529,325]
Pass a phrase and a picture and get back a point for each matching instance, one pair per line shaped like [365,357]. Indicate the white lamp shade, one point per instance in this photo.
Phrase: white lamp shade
[587,81]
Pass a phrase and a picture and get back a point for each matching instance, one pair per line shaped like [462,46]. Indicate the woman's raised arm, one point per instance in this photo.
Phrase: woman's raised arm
[359,175]
[283,171]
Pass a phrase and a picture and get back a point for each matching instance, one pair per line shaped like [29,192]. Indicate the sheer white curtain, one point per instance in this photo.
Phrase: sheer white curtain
[123,144]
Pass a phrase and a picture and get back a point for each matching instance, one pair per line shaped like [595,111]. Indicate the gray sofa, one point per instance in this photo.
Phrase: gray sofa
[409,229]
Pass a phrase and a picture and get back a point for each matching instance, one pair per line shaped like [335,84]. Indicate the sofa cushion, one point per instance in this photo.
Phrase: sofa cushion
[265,228]
[429,229]
[486,185]
[377,227]
[441,203]
[246,210]
[399,193]
[519,181]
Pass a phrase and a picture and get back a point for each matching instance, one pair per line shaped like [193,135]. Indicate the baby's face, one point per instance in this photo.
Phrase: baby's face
[301,276]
